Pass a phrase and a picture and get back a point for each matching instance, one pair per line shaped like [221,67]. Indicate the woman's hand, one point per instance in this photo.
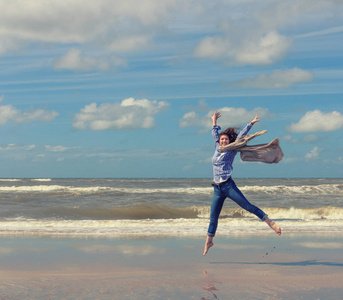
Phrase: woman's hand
[255,120]
[215,117]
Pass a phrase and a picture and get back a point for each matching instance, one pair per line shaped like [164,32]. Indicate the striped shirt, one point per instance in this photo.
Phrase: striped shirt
[222,162]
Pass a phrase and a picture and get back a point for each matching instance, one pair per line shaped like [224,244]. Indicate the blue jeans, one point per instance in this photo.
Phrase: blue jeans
[229,190]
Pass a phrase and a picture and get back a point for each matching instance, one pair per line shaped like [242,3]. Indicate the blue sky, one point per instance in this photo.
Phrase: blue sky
[125,88]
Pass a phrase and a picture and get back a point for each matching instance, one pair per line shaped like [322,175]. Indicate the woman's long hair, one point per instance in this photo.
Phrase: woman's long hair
[231,132]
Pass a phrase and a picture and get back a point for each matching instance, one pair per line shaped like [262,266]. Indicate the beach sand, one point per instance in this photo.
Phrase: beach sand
[293,266]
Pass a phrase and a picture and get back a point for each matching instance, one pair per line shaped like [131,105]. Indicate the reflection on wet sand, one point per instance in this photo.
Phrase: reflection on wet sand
[210,286]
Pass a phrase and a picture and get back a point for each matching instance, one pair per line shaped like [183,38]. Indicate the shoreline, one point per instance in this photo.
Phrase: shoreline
[292,266]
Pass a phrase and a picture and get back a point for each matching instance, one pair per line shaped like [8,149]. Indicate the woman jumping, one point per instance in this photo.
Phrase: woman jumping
[224,186]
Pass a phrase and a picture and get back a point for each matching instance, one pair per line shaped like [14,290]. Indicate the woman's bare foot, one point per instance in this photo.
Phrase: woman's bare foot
[208,244]
[276,228]
[273,226]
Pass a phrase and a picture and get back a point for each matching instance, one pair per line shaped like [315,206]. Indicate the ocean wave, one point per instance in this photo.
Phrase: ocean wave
[324,189]
[129,212]
[9,180]
[52,188]
[101,189]
[304,214]
[41,179]
[146,211]
[160,227]
[320,189]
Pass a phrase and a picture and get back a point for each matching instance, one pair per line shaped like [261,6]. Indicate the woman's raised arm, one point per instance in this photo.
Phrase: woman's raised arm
[215,117]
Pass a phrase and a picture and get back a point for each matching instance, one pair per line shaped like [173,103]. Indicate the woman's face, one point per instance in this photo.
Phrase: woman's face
[224,140]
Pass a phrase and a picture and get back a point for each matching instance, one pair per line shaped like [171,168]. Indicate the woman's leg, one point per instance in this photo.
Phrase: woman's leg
[273,226]
[216,207]
[236,195]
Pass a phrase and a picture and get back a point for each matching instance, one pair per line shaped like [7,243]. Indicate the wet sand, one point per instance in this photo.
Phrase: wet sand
[293,266]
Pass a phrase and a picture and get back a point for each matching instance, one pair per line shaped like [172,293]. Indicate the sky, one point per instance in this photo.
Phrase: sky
[124,89]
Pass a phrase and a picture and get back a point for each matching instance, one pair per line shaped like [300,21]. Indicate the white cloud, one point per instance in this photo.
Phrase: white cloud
[240,115]
[327,31]
[129,114]
[25,148]
[317,121]
[231,116]
[309,138]
[216,47]
[9,44]
[194,119]
[251,33]
[100,22]
[121,154]
[10,113]
[290,139]
[8,147]
[275,80]
[106,21]
[313,154]
[74,60]
[38,153]
[306,139]
[263,49]
[293,13]
[238,32]
[130,43]
[58,148]
[289,160]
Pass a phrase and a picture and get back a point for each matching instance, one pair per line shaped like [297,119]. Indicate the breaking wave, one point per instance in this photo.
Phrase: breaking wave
[324,189]
[144,211]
